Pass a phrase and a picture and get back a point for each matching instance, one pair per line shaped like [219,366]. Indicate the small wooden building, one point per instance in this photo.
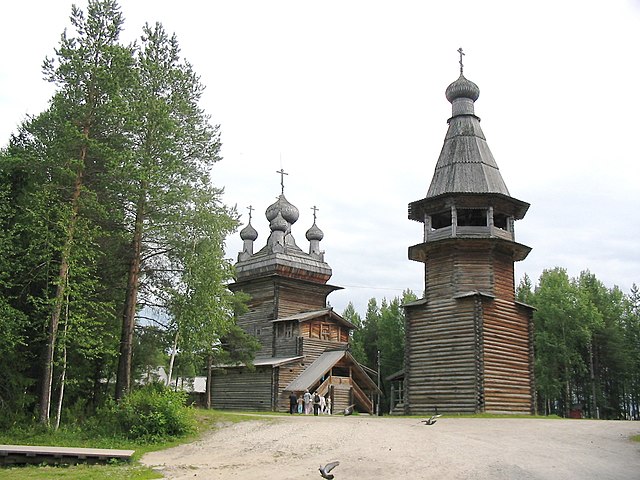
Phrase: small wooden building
[469,343]
[304,343]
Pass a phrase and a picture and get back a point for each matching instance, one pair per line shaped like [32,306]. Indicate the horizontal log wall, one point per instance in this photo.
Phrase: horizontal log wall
[312,348]
[504,276]
[261,307]
[473,269]
[238,388]
[507,358]
[439,275]
[300,297]
[468,355]
[286,346]
[440,357]
[286,375]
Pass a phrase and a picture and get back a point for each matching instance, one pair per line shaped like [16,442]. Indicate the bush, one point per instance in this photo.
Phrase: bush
[154,412]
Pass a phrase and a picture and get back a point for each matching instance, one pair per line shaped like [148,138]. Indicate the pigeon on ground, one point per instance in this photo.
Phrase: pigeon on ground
[431,420]
[349,410]
[324,471]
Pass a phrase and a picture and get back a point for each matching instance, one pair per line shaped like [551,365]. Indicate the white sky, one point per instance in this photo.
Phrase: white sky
[348,98]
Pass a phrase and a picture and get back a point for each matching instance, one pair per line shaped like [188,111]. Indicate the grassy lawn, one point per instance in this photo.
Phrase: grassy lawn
[207,420]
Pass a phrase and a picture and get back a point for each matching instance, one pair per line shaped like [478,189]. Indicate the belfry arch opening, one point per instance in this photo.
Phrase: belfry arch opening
[472,217]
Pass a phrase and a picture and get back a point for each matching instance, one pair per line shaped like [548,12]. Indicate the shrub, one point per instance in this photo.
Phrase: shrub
[154,412]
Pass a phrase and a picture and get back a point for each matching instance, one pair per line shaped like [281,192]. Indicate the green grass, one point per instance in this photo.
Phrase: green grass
[635,438]
[80,472]
[206,420]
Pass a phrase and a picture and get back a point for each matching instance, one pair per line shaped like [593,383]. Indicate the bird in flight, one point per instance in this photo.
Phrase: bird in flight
[349,410]
[431,421]
[324,471]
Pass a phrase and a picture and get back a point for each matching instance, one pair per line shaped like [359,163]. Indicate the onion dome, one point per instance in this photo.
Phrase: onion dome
[279,224]
[462,88]
[248,233]
[282,206]
[314,233]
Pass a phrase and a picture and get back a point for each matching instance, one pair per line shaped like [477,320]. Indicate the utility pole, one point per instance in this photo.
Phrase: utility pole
[378,402]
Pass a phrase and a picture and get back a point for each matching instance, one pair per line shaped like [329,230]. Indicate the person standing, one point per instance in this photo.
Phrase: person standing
[316,403]
[323,405]
[293,403]
[307,402]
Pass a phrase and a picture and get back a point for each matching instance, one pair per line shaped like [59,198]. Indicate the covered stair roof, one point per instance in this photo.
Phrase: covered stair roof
[323,364]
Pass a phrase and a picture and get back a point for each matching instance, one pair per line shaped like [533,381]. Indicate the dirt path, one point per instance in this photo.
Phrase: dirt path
[292,448]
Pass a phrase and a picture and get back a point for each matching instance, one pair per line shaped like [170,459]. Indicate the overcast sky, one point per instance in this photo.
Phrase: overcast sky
[348,98]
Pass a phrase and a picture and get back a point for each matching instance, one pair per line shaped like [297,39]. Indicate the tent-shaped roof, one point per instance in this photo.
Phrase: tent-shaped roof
[314,372]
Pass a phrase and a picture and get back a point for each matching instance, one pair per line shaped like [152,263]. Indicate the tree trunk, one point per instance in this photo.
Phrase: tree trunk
[208,390]
[63,276]
[172,359]
[63,375]
[594,401]
[123,379]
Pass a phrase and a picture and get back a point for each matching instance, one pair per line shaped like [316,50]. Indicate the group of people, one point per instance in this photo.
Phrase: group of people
[307,403]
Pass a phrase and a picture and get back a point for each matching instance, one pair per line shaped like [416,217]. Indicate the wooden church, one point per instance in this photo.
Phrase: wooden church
[469,345]
[305,344]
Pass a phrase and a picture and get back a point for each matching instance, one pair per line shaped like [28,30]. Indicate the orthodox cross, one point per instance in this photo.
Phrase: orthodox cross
[461,54]
[282,174]
[250,208]
[315,209]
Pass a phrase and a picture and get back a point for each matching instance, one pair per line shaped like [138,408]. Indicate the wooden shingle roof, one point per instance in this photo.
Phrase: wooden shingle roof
[466,164]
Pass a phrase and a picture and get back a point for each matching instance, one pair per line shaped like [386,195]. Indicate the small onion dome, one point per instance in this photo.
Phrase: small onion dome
[288,211]
[462,88]
[278,224]
[314,233]
[248,233]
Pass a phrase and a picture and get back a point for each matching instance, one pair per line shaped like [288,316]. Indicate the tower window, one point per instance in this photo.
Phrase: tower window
[441,220]
[472,217]
[500,220]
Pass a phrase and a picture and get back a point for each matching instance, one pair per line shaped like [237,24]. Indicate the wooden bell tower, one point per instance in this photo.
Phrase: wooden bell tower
[468,342]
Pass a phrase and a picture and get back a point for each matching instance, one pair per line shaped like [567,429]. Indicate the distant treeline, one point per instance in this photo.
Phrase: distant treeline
[586,343]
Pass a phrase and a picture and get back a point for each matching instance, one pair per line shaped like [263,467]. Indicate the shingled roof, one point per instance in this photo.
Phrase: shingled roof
[466,164]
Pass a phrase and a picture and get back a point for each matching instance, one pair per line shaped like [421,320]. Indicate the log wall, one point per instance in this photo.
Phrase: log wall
[238,388]
[475,353]
[257,320]
[286,375]
[299,297]
[441,357]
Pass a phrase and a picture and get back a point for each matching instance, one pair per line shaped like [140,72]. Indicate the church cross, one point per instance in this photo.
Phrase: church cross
[282,174]
[250,208]
[315,209]
[461,54]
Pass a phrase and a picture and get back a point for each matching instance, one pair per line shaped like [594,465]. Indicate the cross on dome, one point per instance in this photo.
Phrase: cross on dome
[461,54]
[282,174]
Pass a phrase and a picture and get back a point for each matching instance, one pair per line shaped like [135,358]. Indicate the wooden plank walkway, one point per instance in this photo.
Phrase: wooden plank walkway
[20,454]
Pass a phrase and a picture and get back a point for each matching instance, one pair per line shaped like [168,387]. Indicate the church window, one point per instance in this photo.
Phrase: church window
[325,332]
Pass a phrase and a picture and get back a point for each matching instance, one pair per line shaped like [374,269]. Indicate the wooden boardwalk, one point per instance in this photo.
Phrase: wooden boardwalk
[20,454]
